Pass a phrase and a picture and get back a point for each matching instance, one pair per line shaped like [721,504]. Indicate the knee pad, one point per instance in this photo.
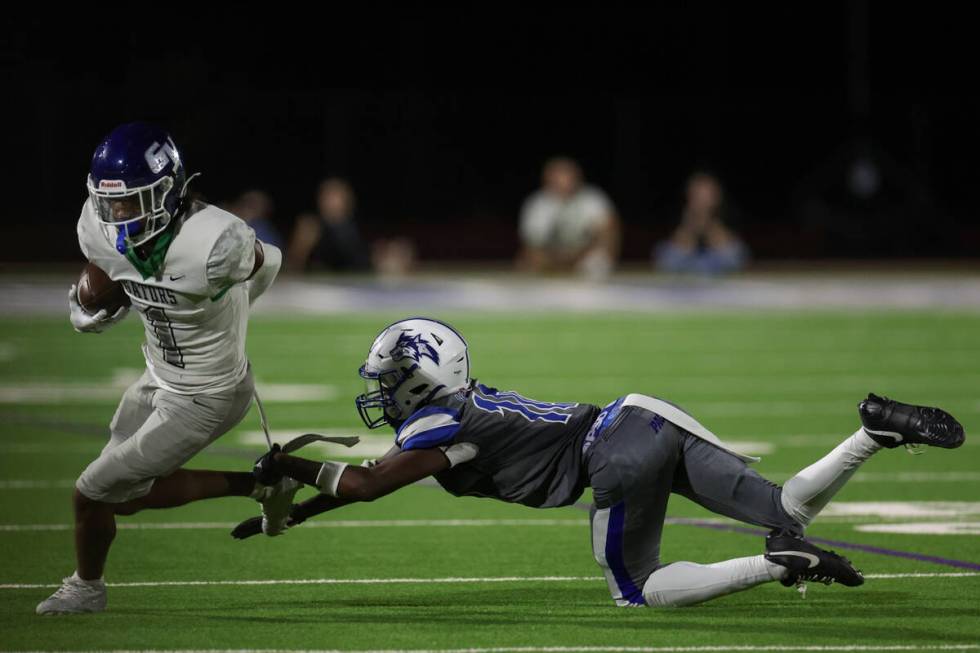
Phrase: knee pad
[666,587]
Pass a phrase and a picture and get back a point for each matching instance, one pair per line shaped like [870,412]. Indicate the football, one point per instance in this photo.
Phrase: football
[96,291]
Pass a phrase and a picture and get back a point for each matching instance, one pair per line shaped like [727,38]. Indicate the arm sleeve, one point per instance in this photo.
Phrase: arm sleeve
[232,257]
[266,274]
[428,428]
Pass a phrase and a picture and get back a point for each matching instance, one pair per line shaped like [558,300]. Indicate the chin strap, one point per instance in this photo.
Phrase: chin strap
[183,190]
[184,201]
[301,441]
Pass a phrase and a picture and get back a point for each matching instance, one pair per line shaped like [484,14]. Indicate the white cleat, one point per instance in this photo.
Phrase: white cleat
[277,504]
[75,596]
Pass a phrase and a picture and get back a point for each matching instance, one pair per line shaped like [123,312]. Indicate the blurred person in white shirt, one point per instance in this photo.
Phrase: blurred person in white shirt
[568,225]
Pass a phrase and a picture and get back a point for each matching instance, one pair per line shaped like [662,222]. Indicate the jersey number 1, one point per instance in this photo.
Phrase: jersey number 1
[164,331]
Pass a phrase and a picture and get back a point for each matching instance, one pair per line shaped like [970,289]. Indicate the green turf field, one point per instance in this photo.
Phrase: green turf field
[423,570]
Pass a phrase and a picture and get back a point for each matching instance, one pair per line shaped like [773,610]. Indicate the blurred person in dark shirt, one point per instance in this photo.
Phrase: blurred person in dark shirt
[256,208]
[702,243]
[862,202]
[329,239]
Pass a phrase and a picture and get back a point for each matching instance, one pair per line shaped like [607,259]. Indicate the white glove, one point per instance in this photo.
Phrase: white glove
[86,323]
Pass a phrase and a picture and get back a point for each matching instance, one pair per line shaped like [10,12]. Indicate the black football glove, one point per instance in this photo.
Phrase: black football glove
[248,528]
[264,470]
[253,526]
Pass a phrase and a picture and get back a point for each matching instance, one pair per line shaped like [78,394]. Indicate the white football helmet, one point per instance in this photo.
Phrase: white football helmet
[411,363]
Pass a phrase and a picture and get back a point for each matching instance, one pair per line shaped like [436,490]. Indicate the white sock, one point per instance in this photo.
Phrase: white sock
[806,494]
[98,582]
[687,583]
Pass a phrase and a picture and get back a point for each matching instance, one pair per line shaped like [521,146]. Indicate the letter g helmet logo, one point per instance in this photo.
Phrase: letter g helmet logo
[158,156]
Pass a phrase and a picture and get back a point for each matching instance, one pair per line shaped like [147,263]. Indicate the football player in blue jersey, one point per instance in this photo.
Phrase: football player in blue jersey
[477,440]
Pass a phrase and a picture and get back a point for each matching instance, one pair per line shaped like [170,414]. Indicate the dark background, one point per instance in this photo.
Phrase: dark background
[441,116]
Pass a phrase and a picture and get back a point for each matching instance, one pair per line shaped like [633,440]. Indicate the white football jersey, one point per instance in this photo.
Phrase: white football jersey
[195,310]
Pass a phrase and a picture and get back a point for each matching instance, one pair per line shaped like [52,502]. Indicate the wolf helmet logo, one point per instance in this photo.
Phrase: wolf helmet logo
[414,347]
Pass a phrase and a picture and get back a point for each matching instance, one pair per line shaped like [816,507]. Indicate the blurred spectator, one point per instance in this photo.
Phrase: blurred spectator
[568,225]
[854,200]
[702,244]
[330,238]
[256,208]
[393,257]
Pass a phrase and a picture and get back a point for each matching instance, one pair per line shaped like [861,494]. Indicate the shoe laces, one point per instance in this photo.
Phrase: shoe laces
[71,588]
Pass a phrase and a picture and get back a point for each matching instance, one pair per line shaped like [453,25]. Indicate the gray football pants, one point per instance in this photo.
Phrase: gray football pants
[155,432]
[633,468]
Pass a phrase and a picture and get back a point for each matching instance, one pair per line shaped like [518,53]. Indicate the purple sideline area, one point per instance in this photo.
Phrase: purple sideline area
[496,290]
[867,548]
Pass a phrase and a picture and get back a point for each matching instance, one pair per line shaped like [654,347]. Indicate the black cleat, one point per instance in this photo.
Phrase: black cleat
[808,562]
[891,423]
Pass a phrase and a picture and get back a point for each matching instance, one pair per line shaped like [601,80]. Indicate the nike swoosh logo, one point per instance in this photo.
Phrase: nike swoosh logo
[177,277]
[814,560]
[888,434]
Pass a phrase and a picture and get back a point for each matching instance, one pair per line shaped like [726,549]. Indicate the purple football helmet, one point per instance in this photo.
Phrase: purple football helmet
[137,183]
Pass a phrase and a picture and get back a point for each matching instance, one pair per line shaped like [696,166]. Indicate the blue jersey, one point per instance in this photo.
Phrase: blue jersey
[523,451]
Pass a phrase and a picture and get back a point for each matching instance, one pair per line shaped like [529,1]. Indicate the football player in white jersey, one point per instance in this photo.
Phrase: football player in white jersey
[191,271]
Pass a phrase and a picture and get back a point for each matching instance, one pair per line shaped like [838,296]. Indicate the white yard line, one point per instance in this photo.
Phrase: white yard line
[897,477]
[58,391]
[51,449]
[938,574]
[923,528]
[14,484]
[903,509]
[450,580]
[720,648]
